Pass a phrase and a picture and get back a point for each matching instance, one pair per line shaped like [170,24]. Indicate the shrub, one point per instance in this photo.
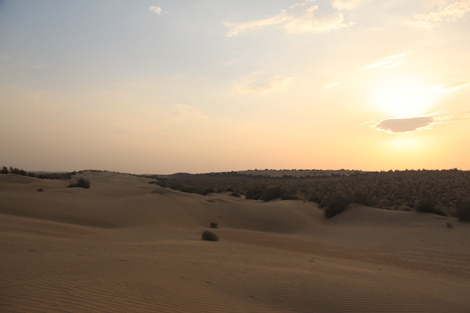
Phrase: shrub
[277,192]
[336,205]
[210,236]
[81,182]
[255,192]
[429,205]
[235,194]
[272,193]
[315,198]
[463,211]
[363,198]
[213,224]
[40,190]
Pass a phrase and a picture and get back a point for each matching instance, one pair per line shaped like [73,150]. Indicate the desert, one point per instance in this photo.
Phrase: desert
[234,156]
[124,245]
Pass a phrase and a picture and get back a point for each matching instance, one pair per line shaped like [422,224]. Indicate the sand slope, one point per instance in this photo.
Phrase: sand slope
[128,246]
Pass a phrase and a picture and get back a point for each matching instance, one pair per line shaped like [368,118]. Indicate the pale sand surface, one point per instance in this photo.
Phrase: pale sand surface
[127,246]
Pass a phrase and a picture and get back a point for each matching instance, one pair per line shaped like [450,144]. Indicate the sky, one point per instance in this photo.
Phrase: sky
[166,86]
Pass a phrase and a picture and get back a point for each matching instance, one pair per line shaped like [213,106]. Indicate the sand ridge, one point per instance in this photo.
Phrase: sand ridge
[125,245]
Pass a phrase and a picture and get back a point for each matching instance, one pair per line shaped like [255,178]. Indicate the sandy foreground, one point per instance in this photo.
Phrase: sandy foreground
[128,246]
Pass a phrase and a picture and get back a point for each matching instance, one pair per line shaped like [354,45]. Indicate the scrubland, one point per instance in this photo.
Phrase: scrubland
[392,190]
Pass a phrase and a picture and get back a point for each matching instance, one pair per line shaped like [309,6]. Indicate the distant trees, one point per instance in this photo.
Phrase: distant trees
[17,171]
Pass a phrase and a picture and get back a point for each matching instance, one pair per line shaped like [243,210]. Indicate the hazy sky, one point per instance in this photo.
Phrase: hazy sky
[170,86]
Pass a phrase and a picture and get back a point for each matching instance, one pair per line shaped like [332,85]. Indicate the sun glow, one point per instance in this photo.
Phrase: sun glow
[403,98]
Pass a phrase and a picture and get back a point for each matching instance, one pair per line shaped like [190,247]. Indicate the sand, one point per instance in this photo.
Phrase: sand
[128,246]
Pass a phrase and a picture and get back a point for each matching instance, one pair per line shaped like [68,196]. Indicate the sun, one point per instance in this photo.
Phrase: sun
[403,97]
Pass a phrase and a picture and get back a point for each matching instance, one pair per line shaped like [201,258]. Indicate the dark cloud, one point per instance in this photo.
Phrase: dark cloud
[405,125]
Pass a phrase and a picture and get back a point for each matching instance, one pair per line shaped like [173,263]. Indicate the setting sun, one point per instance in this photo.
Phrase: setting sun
[404,98]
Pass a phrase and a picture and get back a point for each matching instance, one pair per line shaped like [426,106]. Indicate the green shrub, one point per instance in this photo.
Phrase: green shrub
[81,182]
[463,211]
[336,205]
[429,205]
[210,236]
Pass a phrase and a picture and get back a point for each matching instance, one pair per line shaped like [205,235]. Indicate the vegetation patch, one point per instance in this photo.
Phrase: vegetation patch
[255,192]
[428,205]
[361,197]
[336,205]
[271,193]
[235,194]
[81,182]
[209,236]
[463,211]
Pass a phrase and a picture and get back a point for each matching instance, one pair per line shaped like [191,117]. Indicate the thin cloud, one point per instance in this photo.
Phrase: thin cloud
[306,22]
[237,28]
[231,62]
[451,87]
[276,83]
[444,13]
[386,62]
[347,4]
[330,84]
[394,64]
[405,125]
[157,10]
[186,112]
[301,4]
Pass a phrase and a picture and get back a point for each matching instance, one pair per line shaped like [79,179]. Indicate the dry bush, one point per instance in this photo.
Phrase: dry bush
[336,205]
[255,192]
[314,197]
[272,193]
[363,198]
[210,236]
[463,211]
[235,194]
[429,205]
[81,182]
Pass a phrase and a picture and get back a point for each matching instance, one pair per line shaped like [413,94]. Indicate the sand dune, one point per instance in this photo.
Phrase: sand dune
[128,246]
